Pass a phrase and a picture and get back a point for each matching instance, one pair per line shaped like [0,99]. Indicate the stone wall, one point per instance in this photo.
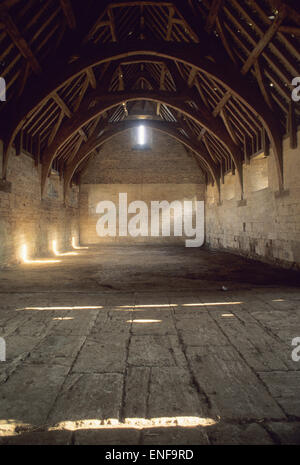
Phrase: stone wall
[165,172]
[266,224]
[28,221]
[167,162]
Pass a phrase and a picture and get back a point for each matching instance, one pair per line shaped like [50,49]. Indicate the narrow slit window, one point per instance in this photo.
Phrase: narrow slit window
[141,139]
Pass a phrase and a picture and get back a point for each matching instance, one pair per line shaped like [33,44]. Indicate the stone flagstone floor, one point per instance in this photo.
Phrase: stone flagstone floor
[121,355]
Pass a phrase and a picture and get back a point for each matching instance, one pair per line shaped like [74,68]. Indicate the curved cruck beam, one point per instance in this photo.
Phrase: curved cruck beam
[116,128]
[94,108]
[189,54]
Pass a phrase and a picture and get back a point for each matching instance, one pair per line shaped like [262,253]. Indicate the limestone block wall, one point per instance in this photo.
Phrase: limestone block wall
[165,172]
[92,194]
[27,220]
[266,224]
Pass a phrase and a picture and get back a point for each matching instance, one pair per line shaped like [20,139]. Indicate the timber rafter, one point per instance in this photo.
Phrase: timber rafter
[114,129]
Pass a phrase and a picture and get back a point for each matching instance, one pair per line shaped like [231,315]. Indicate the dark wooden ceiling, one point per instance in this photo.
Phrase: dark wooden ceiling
[214,74]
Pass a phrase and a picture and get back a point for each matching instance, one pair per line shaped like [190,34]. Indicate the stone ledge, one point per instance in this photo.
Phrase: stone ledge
[242,203]
[5,186]
[283,193]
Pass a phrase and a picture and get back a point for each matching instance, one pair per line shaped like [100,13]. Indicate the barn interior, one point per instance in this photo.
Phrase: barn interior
[123,330]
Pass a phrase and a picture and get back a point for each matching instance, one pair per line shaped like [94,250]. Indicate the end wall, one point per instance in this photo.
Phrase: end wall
[166,172]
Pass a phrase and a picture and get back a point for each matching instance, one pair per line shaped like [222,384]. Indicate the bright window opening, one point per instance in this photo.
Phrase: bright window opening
[141,139]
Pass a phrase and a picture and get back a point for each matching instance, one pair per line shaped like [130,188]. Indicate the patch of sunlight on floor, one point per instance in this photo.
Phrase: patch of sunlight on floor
[63,318]
[61,308]
[10,426]
[26,260]
[141,308]
[138,423]
[146,306]
[211,304]
[77,247]
[58,254]
[143,321]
